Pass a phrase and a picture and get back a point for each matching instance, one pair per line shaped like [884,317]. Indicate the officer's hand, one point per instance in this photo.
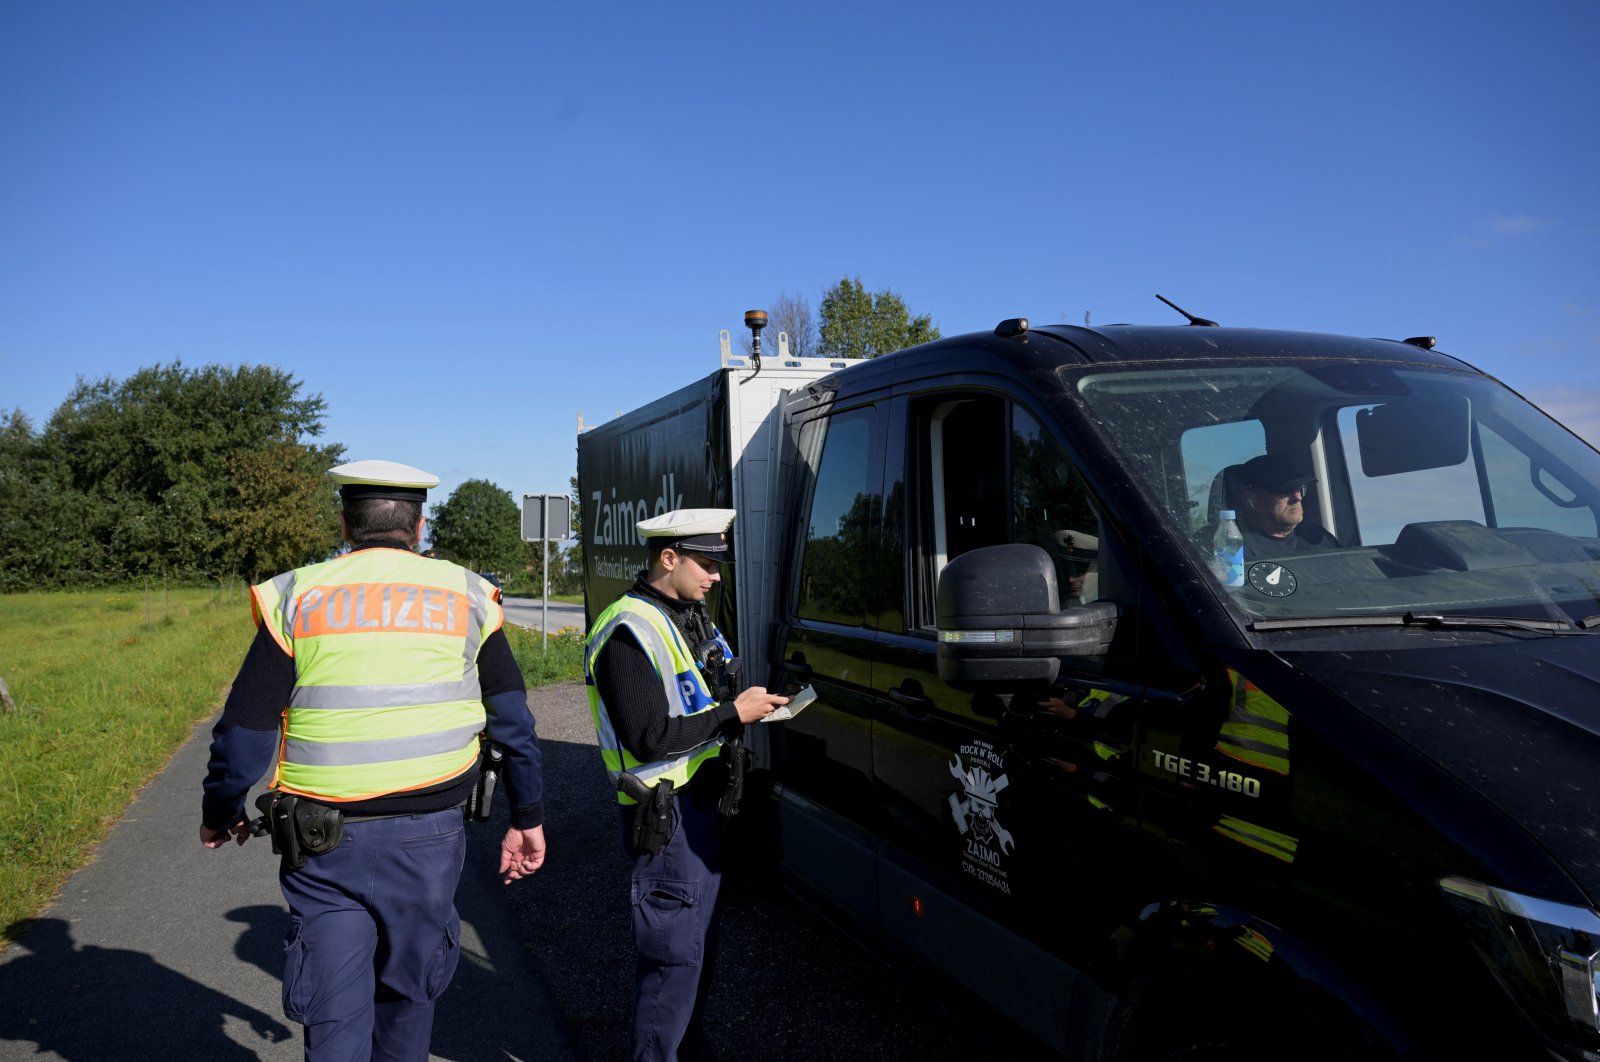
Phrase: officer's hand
[755,703]
[239,831]
[521,853]
[1057,706]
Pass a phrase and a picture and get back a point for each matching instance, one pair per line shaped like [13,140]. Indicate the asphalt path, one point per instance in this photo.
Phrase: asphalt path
[788,985]
[163,949]
[529,612]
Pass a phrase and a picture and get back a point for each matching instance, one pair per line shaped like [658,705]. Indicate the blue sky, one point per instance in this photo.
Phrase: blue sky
[462,224]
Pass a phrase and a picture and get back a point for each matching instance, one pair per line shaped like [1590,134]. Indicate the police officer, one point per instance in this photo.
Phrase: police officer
[372,676]
[653,663]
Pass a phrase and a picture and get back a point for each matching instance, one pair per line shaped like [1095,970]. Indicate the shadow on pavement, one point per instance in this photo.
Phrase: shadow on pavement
[94,1004]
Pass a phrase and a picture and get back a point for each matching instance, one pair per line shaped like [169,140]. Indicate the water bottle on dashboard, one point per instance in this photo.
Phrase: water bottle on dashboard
[1227,550]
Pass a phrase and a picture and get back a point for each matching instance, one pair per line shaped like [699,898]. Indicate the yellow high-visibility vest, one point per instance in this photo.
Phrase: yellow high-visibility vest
[1257,728]
[386,696]
[681,682]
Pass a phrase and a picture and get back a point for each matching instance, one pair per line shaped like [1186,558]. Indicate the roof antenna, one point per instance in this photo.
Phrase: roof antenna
[1200,321]
[755,320]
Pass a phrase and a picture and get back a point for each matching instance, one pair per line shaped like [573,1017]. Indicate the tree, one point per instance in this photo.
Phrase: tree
[43,526]
[135,478]
[790,314]
[859,324]
[283,513]
[480,527]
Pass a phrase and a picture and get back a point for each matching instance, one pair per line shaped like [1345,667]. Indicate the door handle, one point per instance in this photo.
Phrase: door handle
[917,705]
[798,668]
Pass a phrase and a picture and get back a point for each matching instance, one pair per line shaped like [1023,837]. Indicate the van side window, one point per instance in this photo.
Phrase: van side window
[1518,502]
[844,498]
[994,477]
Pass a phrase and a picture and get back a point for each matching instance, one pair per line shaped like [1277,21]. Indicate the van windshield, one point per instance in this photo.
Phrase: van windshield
[1363,489]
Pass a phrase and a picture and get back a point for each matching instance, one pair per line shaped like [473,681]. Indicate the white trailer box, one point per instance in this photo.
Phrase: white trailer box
[720,442]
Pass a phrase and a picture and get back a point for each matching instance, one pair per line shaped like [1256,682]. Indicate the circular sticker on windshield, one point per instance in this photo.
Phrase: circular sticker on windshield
[1272,579]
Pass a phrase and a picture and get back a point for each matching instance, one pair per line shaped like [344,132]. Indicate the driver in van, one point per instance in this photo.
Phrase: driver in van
[1272,509]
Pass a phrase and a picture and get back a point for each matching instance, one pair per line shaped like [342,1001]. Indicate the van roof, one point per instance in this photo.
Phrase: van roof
[1190,343]
[1051,346]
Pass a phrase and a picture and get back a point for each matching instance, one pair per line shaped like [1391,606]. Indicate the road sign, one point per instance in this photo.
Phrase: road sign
[546,517]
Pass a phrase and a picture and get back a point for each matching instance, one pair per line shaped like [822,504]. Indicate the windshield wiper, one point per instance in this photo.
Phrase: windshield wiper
[1432,621]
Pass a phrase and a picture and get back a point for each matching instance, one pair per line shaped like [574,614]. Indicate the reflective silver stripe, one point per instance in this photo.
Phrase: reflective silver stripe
[284,585]
[649,772]
[1252,745]
[1245,717]
[656,648]
[410,695]
[477,616]
[382,750]
[650,641]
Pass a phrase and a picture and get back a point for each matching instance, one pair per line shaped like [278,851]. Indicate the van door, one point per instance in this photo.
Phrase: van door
[1012,805]
[823,756]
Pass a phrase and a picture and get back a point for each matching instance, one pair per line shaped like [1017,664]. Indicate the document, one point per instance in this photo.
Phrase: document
[796,705]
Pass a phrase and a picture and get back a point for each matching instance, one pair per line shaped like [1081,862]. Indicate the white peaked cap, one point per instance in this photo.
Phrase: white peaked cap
[382,479]
[701,530]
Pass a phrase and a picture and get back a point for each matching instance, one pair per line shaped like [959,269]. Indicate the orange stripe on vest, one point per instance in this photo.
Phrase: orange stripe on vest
[364,608]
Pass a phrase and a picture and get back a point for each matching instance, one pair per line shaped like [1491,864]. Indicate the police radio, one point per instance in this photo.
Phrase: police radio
[724,681]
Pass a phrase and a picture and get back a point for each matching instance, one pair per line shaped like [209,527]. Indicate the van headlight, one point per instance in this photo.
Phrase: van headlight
[1545,954]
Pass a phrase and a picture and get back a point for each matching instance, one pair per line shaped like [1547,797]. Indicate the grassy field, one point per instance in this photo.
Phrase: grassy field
[107,686]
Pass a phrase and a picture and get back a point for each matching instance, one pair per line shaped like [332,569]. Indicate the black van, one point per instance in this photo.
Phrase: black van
[1348,808]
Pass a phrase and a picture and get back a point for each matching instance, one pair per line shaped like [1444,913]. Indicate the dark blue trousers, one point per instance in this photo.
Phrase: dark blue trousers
[374,938]
[675,908]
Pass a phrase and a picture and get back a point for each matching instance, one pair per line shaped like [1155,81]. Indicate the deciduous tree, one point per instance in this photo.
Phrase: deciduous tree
[791,315]
[856,323]
[140,477]
[480,527]
[283,510]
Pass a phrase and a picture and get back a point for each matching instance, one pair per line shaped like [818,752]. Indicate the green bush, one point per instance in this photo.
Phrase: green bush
[561,660]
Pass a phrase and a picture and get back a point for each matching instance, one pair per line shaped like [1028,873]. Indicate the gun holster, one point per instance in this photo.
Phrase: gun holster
[481,798]
[299,828]
[737,758]
[651,827]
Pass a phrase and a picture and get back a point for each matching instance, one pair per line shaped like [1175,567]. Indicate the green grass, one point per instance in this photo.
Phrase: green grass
[558,661]
[107,684]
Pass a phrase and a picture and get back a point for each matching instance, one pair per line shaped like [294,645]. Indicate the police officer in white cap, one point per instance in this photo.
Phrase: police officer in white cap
[390,666]
[663,707]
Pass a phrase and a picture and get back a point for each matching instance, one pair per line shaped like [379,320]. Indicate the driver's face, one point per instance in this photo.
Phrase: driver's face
[1276,513]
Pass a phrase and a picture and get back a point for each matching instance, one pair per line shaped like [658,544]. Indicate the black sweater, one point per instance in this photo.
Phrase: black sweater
[633,696]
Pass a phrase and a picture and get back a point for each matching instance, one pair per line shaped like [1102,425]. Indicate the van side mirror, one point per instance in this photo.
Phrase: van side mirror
[1000,619]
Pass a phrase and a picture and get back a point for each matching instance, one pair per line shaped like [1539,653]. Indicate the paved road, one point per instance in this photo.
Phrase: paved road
[788,985]
[528,612]
[161,949]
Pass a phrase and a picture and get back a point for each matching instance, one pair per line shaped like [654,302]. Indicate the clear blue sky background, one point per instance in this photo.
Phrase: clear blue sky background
[463,223]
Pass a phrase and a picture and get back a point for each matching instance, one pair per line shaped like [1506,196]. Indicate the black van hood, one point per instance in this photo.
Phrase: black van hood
[1518,721]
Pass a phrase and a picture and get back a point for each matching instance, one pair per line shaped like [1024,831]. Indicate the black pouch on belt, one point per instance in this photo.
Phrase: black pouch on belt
[651,827]
[299,828]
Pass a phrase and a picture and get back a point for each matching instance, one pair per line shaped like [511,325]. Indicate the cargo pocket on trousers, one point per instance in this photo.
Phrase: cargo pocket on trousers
[294,966]
[443,967]
[666,922]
